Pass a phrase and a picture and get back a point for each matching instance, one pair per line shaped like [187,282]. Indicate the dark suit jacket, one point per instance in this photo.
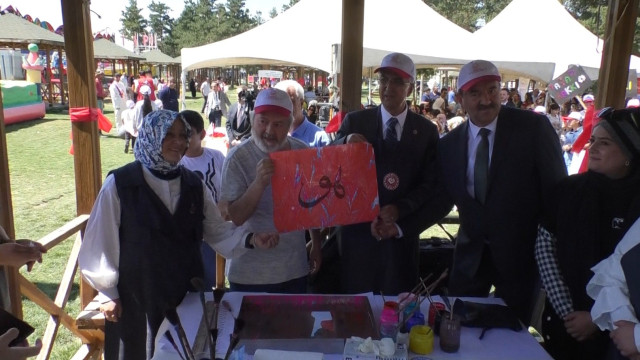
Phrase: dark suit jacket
[233,132]
[526,163]
[390,265]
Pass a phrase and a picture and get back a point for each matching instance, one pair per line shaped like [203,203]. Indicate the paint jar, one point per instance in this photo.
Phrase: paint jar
[416,319]
[421,339]
[450,333]
[389,320]
[435,308]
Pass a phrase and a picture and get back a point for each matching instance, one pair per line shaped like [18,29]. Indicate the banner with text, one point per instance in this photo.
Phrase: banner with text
[572,82]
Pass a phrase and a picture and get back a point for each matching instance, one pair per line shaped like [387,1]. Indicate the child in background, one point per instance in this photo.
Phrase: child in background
[207,164]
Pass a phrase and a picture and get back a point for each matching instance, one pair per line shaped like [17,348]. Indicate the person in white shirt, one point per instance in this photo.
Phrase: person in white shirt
[142,242]
[205,89]
[217,104]
[118,94]
[613,309]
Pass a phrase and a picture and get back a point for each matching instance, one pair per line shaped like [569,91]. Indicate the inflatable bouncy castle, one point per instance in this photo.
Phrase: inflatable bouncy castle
[21,101]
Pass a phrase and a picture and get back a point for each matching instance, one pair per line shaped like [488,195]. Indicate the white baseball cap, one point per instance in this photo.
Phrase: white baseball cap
[575,115]
[588,97]
[476,71]
[145,90]
[273,100]
[633,103]
[400,64]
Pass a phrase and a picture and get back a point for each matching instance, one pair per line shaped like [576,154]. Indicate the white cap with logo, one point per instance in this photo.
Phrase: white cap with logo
[400,64]
[273,100]
[475,72]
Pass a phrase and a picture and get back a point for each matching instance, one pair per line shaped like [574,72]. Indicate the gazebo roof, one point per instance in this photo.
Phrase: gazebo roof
[156,56]
[105,49]
[14,29]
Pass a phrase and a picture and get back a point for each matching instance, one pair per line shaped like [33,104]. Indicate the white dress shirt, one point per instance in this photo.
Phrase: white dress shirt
[100,251]
[401,118]
[609,289]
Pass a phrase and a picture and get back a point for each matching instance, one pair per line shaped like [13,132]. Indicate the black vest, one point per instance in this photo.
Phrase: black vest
[159,252]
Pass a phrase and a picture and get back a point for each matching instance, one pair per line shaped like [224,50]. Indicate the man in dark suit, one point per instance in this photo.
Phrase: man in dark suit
[499,169]
[383,256]
[238,124]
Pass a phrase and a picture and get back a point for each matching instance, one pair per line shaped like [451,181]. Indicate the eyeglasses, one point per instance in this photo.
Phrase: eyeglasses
[396,81]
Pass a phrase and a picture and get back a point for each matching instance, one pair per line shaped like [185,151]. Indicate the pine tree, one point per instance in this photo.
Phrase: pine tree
[159,20]
[132,20]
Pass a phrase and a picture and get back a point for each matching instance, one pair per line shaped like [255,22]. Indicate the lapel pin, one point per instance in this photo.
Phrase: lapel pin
[415,132]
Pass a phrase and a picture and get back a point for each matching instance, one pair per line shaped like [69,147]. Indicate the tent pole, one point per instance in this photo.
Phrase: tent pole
[614,68]
[351,55]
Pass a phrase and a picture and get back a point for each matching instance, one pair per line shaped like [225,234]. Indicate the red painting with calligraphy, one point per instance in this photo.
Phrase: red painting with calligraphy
[315,188]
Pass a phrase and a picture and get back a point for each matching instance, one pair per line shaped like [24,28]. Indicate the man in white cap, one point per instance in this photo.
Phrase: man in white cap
[246,196]
[499,169]
[573,129]
[383,256]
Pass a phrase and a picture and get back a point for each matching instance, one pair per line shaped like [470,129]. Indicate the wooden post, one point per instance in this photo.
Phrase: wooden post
[614,68]
[6,220]
[49,75]
[61,76]
[351,57]
[82,93]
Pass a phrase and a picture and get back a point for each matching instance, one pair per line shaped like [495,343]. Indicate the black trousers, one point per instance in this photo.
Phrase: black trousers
[215,117]
[204,103]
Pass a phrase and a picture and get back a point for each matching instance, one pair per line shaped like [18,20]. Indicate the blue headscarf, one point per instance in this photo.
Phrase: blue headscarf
[148,148]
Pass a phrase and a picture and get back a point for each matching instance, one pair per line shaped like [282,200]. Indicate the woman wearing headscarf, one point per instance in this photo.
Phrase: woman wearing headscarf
[142,242]
[593,212]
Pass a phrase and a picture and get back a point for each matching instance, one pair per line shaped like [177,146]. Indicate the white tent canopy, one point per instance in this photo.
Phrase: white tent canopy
[304,36]
[544,50]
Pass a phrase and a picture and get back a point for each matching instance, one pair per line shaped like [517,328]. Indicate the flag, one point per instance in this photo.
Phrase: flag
[582,140]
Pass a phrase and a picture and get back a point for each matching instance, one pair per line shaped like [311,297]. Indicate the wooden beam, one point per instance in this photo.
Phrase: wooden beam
[6,221]
[351,57]
[62,296]
[60,234]
[618,43]
[37,296]
[82,94]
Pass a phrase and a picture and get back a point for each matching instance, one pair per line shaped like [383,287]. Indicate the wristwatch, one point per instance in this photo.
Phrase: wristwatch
[247,242]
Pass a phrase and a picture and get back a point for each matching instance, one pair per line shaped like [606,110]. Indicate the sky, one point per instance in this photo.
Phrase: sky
[111,10]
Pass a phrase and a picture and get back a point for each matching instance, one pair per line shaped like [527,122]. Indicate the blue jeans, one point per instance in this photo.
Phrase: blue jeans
[295,286]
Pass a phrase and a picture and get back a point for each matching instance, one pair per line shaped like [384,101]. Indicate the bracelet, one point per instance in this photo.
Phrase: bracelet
[248,243]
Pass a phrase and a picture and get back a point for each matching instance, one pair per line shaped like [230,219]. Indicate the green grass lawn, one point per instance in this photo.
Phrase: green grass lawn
[43,193]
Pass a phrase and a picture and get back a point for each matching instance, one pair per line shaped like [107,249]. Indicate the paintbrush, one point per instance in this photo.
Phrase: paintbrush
[435,283]
[417,307]
[174,319]
[172,341]
[218,294]
[198,284]
[227,306]
[238,325]
[217,298]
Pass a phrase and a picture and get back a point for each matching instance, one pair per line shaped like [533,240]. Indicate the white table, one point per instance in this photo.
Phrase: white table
[497,344]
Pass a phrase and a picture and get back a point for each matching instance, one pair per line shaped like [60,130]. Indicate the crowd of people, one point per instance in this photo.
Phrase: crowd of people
[501,161]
